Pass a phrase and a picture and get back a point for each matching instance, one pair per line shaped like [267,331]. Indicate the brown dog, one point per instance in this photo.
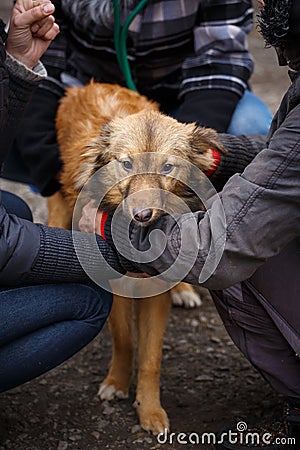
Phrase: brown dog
[100,123]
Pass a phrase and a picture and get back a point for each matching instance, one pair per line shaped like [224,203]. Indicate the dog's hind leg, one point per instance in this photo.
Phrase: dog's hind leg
[152,319]
[117,382]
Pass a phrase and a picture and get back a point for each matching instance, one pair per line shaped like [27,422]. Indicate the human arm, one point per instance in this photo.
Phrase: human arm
[216,76]
[31,253]
[17,79]
[35,139]
[240,151]
[35,254]
[18,85]
[36,142]
[262,214]
[31,30]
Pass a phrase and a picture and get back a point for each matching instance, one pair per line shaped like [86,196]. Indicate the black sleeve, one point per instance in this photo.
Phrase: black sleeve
[36,141]
[3,81]
[36,254]
[210,108]
[16,89]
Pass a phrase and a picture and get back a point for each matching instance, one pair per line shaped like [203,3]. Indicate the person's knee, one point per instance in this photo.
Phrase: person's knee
[16,205]
[251,116]
[96,304]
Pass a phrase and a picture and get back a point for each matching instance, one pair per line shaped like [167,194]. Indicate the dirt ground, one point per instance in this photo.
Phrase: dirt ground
[206,384]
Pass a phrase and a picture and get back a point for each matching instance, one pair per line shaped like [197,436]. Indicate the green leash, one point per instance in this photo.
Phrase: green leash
[120,40]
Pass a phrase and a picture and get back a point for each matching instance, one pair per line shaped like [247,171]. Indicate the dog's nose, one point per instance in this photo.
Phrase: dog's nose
[142,215]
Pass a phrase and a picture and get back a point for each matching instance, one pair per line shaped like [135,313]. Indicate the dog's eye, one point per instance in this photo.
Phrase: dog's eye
[127,165]
[166,168]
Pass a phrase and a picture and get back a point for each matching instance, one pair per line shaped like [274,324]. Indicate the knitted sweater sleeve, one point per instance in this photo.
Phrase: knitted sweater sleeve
[36,254]
[65,257]
[241,150]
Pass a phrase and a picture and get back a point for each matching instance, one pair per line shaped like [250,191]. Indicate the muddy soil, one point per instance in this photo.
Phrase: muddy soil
[206,384]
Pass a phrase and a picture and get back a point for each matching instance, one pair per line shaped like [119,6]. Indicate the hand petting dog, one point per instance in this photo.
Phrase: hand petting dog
[90,219]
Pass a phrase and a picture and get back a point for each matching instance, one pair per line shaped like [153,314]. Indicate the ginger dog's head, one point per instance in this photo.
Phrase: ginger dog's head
[150,152]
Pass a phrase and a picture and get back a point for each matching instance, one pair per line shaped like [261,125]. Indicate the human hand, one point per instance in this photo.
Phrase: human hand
[31,30]
[91,219]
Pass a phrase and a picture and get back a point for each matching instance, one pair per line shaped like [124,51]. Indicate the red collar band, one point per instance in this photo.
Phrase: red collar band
[102,225]
[216,162]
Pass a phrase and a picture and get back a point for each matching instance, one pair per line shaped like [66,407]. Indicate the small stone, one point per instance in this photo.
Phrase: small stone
[96,435]
[210,349]
[74,437]
[62,445]
[203,378]
[101,423]
[223,368]
[108,410]
[135,429]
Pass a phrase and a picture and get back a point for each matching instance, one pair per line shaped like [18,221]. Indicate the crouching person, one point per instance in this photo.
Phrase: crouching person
[256,283]
[49,308]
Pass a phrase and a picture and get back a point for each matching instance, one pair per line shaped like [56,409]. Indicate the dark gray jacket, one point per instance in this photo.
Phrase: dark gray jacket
[261,208]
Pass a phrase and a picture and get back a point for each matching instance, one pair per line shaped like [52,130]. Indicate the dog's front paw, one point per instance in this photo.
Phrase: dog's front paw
[154,419]
[109,390]
[185,296]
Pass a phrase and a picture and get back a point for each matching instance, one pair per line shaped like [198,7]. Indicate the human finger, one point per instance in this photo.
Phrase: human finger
[43,26]
[51,34]
[37,25]
[36,14]
[26,5]
[88,218]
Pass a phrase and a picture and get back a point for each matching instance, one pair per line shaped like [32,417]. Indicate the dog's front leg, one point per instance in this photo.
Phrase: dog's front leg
[59,212]
[152,319]
[117,382]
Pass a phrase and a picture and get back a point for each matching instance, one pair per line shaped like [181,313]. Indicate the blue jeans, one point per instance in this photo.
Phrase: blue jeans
[251,116]
[42,326]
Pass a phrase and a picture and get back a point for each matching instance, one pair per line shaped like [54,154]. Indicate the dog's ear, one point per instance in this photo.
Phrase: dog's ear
[95,155]
[203,140]
[100,145]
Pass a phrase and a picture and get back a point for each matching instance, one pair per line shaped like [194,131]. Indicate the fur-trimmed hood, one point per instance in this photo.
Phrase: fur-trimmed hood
[279,23]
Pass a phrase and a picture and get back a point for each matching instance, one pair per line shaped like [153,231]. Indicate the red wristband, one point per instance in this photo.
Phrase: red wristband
[216,162]
[102,225]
